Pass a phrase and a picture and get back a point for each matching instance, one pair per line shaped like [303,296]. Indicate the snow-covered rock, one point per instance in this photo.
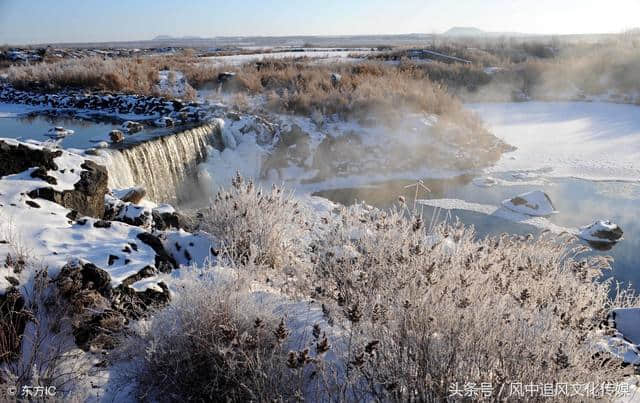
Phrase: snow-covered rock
[116,136]
[164,122]
[624,341]
[59,132]
[132,127]
[485,182]
[601,231]
[132,194]
[535,203]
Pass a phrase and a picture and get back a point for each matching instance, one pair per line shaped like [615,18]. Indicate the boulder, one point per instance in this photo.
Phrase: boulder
[164,262]
[126,212]
[59,132]
[601,231]
[163,220]
[87,197]
[132,127]
[116,136]
[131,195]
[535,203]
[164,122]
[20,157]
[99,312]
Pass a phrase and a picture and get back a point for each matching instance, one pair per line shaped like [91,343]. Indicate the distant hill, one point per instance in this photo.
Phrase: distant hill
[465,31]
[473,31]
[171,38]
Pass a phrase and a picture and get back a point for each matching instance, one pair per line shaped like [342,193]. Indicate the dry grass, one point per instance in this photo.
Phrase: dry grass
[47,356]
[130,75]
[301,87]
[256,227]
[216,343]
[446,308]
[426,308]
[292,87]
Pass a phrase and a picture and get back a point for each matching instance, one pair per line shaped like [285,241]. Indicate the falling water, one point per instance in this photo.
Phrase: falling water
[165,166]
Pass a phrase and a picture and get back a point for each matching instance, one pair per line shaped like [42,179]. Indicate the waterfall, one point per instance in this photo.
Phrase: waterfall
[166,166]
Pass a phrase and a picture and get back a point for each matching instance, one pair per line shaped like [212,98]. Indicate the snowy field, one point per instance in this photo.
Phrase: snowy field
[594,141]
[324,54]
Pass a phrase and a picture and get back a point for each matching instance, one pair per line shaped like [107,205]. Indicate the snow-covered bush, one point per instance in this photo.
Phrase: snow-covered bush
[263,228]
[429,310]
[48,358]
[217,342]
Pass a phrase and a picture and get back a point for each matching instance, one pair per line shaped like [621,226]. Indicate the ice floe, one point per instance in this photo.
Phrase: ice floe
[535,203]
[498,212]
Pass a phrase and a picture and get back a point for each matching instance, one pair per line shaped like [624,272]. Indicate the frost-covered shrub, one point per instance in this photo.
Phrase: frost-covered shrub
[263,228]
[216,342]
[427,310]
[48,357]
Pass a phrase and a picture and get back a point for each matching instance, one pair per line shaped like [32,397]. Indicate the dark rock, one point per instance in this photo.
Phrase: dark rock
[137,304]
[12,280]
[145,272]
[116,136]
[72,215]
[164,262]
[112,259]
[102,224]
[87,197]
[18,158]
[31,203]
[129,213]
[163,221]
[74,279]
[100,331]
[41,173]
[99,312]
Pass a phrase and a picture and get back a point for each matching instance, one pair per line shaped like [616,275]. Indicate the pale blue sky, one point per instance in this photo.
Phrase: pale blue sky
[38,21]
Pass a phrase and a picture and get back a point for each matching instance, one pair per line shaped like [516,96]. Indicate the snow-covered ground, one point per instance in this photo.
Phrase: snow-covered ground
[324,54]
[594,141]
[309,156]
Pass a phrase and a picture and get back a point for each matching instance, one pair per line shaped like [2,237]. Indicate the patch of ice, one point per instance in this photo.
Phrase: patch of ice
[498,212]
